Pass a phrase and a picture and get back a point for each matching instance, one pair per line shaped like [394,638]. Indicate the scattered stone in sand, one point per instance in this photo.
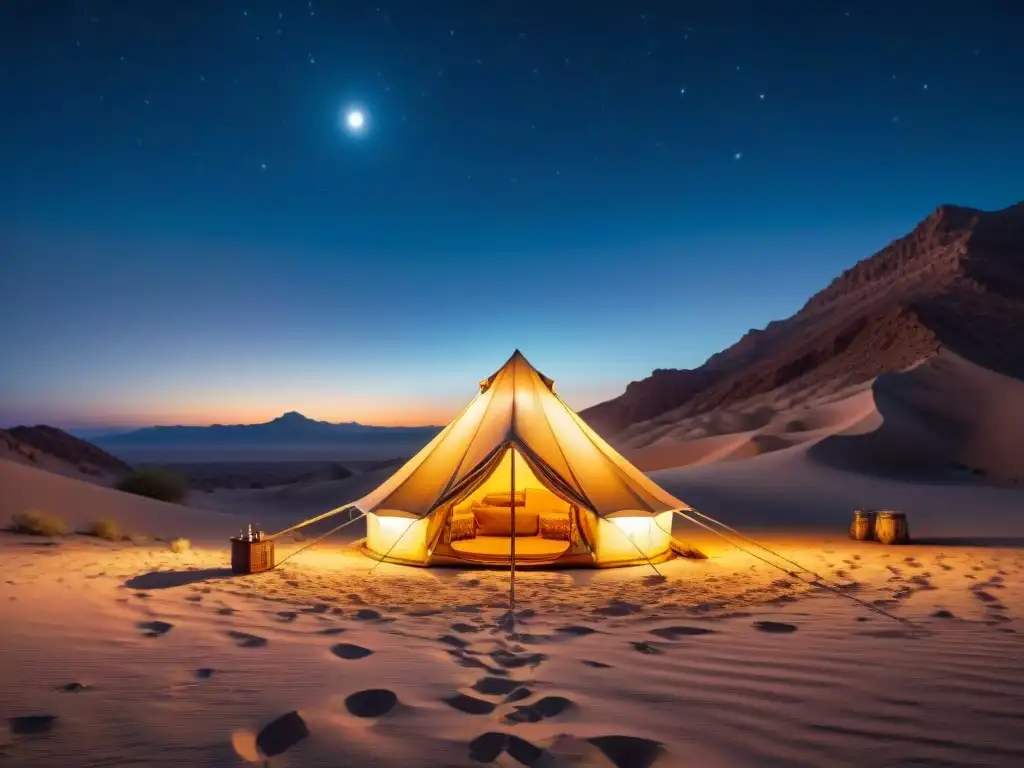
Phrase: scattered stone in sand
[372,702]
[287,615]
[245,640]
[494,686]
[644,647]
[32,725]
[984,596]
[155,628]
[282,734]
[618,608]
[777,627]
[576,630]
[350,652]
[366,614]
[355,599]
[942,613]
[461,626]
[458,642]
[331,631]
[72,688]
[205,673]
[542,709]
[225,611]
[194,598]
[142,595]
[469,705]
[317,609]
[520,693]
[468,608]
[510,660]
[595,664]
[674,633]
[526,613]
[488,747]
[629,751]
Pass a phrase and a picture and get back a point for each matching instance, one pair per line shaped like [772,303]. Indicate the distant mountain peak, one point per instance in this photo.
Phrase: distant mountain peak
[292,417]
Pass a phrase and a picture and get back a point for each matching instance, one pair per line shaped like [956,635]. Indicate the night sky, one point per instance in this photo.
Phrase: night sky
[189,231]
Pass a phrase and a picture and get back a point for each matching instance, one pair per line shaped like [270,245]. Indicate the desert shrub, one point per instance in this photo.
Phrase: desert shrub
[105,528]
[159,484]
[36,523]
[180,545]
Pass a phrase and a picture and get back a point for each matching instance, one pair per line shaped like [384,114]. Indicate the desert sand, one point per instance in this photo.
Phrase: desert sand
[130,654]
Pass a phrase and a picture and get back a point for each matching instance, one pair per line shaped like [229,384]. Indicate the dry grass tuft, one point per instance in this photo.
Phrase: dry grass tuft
[104,528]
[180,545]
[36,523]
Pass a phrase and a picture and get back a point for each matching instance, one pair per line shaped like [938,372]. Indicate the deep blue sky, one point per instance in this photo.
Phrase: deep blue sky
[188,234]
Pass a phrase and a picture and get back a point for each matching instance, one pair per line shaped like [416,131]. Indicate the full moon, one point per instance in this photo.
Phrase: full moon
[355,120]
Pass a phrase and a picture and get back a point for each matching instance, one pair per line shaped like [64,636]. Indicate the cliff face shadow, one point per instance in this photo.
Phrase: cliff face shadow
[170,579]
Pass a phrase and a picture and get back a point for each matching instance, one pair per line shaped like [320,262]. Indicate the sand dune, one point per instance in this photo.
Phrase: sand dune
[944,417]
[78,503]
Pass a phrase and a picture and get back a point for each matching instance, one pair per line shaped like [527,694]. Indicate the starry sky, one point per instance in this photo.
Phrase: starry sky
[190,233]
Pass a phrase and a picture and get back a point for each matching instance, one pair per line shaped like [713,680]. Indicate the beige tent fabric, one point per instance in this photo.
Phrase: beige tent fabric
[518,405]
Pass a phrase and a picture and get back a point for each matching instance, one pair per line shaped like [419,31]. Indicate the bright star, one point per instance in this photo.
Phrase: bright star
[737,156]
[355,120]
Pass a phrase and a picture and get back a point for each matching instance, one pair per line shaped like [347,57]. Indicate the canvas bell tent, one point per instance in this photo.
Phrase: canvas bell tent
[518,479]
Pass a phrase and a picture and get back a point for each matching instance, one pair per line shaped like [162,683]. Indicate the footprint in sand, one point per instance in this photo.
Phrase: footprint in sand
[205,673]
[889,633]
[543,709]
[469,705]
[618,608]
[488,747]
[32,725]
[275,738]
[674,633]
[155,628]
[245,640]
[458,642]
[287,615]
[373,702]
[464,628]
[576,630]
[225,611]
[629,751]
[350,652]
[520,693]
[495,686]
[774,627]
[595,664]
[366,614]
[425,612]
[72,688]
[332,631]
[644,647]
[510,660]
[194,598]
[463,659]
[942,613]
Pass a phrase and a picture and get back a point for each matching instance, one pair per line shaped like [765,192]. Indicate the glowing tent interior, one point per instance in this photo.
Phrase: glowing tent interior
[517,479]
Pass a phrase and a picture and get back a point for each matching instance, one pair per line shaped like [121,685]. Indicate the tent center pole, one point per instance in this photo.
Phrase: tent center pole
[512,507]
